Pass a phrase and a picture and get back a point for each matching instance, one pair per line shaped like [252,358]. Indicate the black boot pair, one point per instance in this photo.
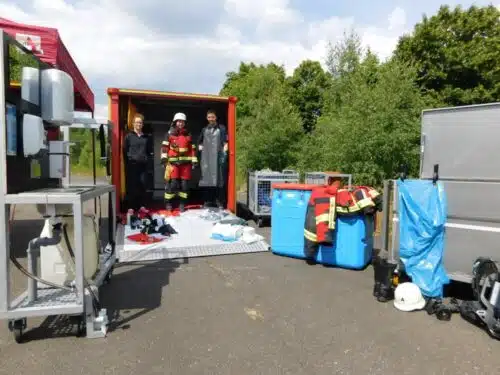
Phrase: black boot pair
[383,289]
[182,206]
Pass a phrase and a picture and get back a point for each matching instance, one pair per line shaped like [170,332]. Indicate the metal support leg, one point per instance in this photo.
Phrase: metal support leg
[393,257]
[33,253]
[113,216]
[4,259]
[385,217]
[78,225]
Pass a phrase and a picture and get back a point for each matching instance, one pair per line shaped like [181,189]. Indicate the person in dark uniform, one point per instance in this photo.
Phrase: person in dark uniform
[213,147]
[137,151]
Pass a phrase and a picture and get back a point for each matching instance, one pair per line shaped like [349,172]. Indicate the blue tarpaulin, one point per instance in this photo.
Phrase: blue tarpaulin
[422,217]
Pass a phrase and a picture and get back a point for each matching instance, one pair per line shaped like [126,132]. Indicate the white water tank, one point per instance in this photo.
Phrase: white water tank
[34,135]
[56,262]
[30,85]
[58,97]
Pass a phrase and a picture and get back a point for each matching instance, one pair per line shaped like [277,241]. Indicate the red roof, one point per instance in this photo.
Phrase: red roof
[50,48]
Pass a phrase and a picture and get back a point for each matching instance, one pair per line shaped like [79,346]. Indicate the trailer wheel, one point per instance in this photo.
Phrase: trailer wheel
[18,335]
[77,325]
[17,328]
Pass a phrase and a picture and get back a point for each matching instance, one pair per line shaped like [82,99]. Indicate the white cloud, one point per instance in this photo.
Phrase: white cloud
[397,19]
[116,47]
[263,11]
[101,111]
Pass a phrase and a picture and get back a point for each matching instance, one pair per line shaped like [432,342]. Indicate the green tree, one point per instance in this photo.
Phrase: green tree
[269,126]
[308,85]
[456,54]
[18,59]
[374,126]
[342,60]
[344,57]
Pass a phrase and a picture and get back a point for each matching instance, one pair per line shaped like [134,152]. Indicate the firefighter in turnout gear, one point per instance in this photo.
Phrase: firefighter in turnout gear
[178,154]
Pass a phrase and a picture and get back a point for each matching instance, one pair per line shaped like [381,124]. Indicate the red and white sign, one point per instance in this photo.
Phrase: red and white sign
[31,42]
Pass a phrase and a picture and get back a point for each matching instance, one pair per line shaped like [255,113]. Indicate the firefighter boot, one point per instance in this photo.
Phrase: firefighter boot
[376,276]
[169,195]
[183,195]
[386,289]
[168,206]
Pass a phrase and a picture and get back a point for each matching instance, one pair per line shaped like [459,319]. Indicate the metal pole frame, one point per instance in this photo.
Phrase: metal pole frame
[5,296]
[5,42]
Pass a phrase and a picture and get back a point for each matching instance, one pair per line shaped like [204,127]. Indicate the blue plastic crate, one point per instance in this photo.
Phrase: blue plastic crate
[353,240]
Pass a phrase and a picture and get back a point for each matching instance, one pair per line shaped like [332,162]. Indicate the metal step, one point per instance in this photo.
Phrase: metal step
[193,240]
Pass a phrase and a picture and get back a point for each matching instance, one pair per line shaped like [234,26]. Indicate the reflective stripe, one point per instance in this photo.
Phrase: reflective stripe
[322,218]
[310,236]
[345,210]
[331,214]
[165,143]
[193,147]
[183,149]
[366,202]
[183,195]
[185,158]
[169,196]
[195,159]
[173,159]
[373,193]
[164,155]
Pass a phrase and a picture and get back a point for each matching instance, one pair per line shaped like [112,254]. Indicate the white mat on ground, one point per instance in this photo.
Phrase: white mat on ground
[192,240]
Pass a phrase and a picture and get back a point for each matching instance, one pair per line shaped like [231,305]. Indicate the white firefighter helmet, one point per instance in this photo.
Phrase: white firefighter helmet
[408,297]
[179,116]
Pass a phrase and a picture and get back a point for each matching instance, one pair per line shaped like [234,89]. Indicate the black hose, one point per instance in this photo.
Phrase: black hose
[26,273]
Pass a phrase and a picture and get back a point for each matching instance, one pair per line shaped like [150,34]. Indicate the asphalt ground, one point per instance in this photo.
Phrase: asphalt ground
[244,314]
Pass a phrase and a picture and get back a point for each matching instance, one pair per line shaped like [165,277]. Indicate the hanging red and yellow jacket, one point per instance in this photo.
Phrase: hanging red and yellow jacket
[178,148]
[325,203]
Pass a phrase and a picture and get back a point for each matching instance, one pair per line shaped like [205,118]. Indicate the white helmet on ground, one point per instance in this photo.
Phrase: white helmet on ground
[180,116]
[408,297]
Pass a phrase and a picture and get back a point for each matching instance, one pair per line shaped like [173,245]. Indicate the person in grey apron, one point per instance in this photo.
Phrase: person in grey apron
[213,147]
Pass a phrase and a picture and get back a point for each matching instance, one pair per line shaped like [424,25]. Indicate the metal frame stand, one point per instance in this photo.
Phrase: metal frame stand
[52,301]
[80,298]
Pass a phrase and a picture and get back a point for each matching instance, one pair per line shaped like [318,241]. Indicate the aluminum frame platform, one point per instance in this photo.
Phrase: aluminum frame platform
[193,240]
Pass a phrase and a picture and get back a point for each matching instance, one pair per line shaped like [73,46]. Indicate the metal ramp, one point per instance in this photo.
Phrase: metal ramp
[193,240]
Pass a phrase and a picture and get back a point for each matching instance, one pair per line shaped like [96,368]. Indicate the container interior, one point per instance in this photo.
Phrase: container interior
[158,114]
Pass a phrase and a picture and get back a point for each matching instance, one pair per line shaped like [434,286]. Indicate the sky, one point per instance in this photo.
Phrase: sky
[189,45]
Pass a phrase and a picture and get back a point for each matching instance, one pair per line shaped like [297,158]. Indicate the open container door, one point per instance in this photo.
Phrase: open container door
[194,227]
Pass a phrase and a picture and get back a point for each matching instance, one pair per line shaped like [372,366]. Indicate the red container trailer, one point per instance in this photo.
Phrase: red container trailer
[158,108]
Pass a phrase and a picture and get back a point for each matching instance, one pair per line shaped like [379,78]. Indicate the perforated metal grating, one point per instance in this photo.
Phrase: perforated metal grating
[152,253]
[50,298]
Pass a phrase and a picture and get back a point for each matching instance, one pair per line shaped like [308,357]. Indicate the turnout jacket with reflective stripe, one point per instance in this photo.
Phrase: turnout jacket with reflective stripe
[325,203]
[178,148]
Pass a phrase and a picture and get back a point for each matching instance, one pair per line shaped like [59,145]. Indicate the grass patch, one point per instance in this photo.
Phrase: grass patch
[84,171]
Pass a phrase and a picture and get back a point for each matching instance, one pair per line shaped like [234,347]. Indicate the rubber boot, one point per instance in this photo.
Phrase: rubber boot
[376,277]
[386,289]
[182,206]
[168,206]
